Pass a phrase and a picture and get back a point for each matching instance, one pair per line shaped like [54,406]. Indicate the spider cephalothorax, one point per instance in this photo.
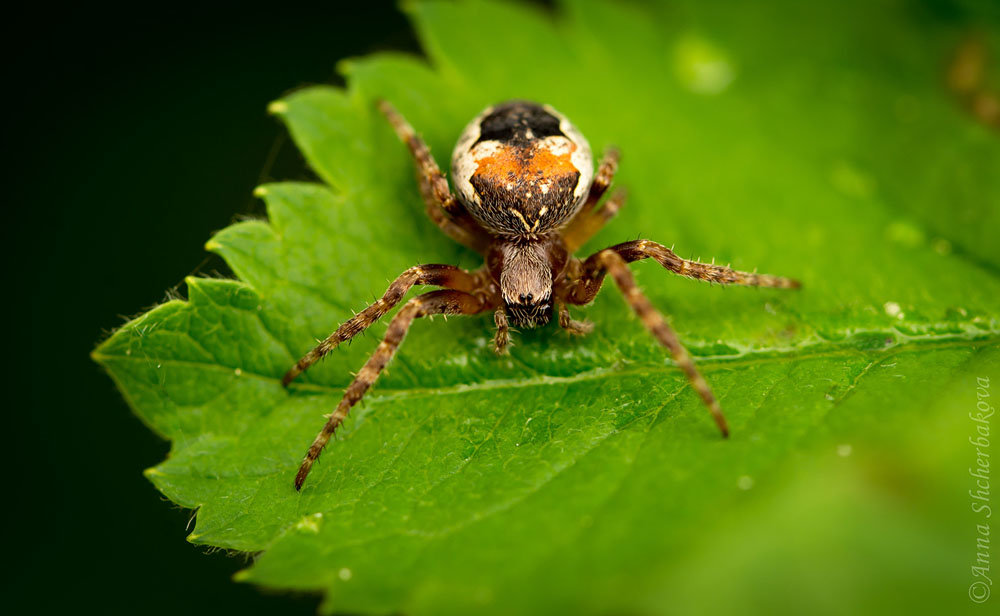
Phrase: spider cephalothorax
[527,199]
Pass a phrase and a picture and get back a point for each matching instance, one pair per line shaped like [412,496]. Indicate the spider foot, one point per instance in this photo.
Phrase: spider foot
[577,328]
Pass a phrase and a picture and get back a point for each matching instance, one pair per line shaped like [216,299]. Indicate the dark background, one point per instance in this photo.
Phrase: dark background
[132,141]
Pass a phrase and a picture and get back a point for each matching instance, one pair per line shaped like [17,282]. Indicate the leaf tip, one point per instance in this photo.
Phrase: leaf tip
[344,67]
[277,108]
[96,356]
[408,7]
[260,192]
[243,575]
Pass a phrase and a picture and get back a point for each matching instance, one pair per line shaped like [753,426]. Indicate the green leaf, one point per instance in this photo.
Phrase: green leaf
[583,475]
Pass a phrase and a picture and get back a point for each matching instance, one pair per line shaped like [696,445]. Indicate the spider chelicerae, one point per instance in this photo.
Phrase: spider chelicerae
[528,198]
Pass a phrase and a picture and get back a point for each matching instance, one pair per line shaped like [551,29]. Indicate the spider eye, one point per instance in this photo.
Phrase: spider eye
[526,299]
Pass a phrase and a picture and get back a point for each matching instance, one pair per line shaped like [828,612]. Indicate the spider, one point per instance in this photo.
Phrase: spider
[528,198]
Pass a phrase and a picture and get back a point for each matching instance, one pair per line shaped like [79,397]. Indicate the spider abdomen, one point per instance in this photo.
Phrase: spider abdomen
[522,169]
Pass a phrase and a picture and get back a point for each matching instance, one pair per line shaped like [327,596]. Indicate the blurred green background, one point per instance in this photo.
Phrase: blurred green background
[134,141]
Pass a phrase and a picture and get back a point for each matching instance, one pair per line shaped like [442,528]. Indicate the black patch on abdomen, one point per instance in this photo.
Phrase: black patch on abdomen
[509,123]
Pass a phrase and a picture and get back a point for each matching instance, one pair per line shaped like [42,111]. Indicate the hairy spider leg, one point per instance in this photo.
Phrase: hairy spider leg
[609,261]
[606,171]
[447,276]
[577,328]
[443,208]
[587,224]
[590,218]
[501,341]
[614,260]
[644,249]
[435,302]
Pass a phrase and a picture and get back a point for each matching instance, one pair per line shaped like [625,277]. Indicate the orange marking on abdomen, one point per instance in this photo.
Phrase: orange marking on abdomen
[510,162]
